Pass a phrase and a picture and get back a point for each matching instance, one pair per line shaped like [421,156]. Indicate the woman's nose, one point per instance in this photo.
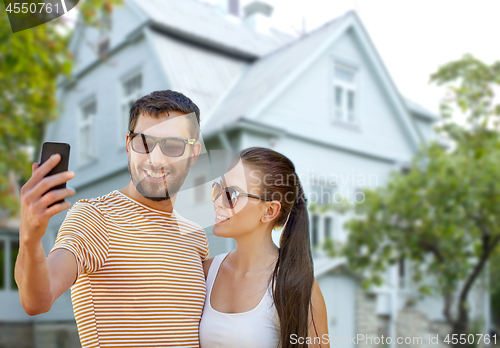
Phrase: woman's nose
[218,203]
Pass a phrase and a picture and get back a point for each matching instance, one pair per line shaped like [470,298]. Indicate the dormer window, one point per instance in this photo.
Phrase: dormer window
[345,95]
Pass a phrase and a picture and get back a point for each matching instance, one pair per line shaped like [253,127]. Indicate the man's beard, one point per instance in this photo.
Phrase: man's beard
[159,191]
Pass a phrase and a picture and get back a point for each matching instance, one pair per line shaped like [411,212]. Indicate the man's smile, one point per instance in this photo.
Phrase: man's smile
[155,176]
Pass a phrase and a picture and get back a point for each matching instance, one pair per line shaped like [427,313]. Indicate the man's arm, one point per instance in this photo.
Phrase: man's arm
[41,280]
[206,266]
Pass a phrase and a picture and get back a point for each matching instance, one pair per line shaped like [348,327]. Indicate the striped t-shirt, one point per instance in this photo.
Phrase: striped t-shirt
[140,275]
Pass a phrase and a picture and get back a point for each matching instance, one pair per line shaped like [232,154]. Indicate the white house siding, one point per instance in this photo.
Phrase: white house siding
[339,292]
[307,107]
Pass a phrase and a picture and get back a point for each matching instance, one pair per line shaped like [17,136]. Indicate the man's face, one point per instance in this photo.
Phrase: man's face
[156,176]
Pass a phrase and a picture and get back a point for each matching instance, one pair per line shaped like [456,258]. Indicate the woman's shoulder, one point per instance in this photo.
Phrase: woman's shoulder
[208,262]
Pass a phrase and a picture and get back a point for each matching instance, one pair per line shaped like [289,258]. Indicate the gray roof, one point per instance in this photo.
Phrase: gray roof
[204,23]
[203,74]
[265,74]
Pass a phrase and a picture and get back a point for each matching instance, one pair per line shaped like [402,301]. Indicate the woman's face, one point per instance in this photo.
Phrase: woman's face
[246,215]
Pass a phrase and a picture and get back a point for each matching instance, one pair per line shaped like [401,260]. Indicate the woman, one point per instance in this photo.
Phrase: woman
[260,295]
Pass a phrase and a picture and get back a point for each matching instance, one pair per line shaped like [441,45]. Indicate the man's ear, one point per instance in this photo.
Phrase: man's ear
[127,142]
[195,153]
[272,211]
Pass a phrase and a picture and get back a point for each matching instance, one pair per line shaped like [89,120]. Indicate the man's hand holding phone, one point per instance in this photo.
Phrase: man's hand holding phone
[35,200]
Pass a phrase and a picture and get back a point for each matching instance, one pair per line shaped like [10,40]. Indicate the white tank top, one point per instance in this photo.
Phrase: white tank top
[258,327]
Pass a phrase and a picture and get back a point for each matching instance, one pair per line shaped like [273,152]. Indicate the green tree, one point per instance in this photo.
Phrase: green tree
[444,214]
[31,61]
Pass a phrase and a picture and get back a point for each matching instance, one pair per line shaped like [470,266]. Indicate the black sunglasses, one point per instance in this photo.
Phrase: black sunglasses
[230,195]
[172,147]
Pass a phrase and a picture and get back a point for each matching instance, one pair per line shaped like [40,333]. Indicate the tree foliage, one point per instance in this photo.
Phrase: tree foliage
[31,61]
[444,214]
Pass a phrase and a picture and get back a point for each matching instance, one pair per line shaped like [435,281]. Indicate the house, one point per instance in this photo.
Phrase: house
[325,100]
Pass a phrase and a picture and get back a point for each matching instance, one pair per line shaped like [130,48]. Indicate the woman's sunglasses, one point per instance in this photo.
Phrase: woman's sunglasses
[172,147]
[230,195]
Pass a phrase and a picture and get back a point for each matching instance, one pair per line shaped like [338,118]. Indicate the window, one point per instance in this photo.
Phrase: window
[9,248]
[14,250]
[131,91]
[321,228]
[315,230]
[86,143]
[328,227]
[403,273]
[3,263]
[345,97]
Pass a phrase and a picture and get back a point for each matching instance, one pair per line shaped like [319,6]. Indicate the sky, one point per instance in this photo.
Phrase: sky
[413,37]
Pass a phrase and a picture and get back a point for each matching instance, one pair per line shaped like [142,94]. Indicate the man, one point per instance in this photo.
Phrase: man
[134,266]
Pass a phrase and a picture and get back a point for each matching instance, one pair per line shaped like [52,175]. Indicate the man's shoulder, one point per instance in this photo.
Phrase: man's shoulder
[97,204]
[187,224]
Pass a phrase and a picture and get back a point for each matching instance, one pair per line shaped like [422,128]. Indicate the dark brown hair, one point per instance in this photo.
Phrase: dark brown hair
[159,103]
[293,274]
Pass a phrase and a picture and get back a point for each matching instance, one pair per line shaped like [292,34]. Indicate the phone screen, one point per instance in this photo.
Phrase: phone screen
[50,148]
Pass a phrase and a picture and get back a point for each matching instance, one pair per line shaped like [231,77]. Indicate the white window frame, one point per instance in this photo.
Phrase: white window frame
[8,266]
[87,154]
[126,101]
[341,114]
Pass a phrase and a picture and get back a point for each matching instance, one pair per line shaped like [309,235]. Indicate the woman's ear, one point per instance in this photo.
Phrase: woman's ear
[272,211]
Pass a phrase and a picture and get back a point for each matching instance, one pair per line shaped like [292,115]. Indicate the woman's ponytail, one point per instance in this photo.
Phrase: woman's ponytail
[293,275]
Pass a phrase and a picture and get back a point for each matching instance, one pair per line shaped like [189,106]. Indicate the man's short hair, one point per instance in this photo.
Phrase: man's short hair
[160,103]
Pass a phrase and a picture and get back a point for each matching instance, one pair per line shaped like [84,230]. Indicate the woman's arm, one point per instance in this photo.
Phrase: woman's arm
[318,333]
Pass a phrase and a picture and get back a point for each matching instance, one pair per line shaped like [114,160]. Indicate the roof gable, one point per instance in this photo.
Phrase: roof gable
[261,80]
[270,76]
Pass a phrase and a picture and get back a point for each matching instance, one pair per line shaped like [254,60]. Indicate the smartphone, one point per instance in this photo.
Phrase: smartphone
[48,149]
